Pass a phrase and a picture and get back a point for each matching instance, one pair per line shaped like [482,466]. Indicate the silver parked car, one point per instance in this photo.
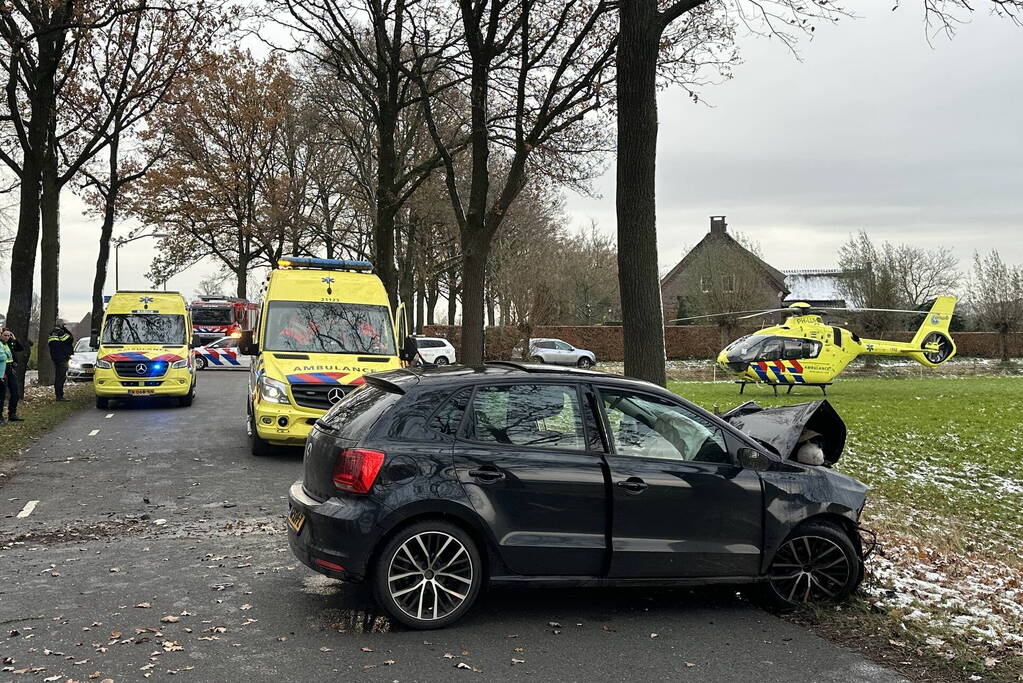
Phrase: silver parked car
[558,352]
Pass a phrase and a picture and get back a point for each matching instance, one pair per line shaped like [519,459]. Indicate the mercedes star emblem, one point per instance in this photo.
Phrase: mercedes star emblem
[141,369]
[335,395]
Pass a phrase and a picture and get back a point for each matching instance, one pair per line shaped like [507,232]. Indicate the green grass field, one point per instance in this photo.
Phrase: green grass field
[943,456]
[944,459]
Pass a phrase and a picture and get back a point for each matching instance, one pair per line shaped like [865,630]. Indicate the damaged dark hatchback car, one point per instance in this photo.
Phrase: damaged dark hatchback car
[430,484]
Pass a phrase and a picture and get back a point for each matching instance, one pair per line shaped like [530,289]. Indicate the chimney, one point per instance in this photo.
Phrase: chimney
[718,225]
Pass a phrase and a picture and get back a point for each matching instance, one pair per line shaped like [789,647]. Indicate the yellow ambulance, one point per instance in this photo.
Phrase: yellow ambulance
[323,325]
[144,348]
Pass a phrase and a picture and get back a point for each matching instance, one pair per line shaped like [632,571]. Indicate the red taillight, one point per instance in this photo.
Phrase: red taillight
[357,469]
[327,564]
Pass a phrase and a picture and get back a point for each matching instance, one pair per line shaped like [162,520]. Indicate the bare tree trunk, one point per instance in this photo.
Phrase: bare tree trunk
[420,305]
[1003,343]
[432,296]
[642,316]
[452,305]
[474,279]
[49,264]
[383,228]
[25,249]
[491,312]
[106,233]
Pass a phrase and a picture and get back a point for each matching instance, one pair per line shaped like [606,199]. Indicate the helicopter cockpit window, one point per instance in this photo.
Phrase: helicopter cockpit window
[772,349]
[796,349]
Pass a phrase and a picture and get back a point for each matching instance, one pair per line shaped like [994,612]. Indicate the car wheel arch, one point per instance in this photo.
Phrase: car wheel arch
[449,512]
[833,518]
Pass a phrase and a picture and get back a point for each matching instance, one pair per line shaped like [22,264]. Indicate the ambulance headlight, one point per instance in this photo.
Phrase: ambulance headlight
[180,364]
[103,364]
[272,390]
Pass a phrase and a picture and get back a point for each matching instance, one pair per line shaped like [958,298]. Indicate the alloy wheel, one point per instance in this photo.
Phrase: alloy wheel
[430,575]
[810,569]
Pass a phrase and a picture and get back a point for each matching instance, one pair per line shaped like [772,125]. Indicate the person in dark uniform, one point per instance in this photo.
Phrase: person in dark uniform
[10,376]
[62,346]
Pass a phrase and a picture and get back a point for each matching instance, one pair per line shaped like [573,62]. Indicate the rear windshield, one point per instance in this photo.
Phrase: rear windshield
[138,328]
[323,327]
[205,315]
[353,415]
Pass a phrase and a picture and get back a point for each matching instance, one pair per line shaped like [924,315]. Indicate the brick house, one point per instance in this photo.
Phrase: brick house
[719,274]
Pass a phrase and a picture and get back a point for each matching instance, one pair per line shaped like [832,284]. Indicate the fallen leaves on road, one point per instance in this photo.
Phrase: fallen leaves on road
[170,619]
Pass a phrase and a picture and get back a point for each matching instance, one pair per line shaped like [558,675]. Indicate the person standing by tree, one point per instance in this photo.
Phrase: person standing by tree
[5,359]
[62,345]
[10,376]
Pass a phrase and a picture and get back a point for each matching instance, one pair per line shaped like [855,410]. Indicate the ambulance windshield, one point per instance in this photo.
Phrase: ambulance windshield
[318,327]
[150,328]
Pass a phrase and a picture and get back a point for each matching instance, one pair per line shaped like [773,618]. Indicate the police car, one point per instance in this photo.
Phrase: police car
[221,354]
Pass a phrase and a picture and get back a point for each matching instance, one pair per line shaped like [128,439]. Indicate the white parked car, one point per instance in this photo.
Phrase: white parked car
[220,355]
[558,352]
[436,350]
[82,364]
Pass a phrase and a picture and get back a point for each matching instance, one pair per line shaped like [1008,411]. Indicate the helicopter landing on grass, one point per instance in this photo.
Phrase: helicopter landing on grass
[806,350]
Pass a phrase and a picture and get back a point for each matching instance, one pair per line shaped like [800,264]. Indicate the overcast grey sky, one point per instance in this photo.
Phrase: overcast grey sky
[873,129]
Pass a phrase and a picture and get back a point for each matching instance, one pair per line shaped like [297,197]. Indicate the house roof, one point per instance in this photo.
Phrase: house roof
[776,277]
[814,285]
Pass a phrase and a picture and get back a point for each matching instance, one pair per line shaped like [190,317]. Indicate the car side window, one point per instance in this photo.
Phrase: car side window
[538,415]
[562,346]
[649,427]
[449,417]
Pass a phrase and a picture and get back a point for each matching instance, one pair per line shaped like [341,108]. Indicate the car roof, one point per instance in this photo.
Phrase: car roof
[422,336]
[506,370]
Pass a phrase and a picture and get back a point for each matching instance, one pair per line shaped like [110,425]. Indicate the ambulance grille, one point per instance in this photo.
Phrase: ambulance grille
[317,395]
[130,368]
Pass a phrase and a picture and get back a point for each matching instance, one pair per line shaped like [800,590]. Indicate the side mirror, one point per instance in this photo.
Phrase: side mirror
[409,349]
[246,345]
[753,459]
[195,343]
[94,340]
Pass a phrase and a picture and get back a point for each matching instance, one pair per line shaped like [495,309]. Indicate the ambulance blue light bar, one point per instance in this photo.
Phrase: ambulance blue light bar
[322,263]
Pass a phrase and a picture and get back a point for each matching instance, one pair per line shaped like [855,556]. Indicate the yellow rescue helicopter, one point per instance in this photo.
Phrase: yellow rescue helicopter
[804,350]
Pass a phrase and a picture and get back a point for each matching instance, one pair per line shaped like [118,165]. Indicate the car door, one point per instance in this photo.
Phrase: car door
[524,462]
[681,506]
[566,353]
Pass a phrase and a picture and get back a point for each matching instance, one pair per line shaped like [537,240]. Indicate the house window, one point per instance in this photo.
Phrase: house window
[730,283]
[705,284]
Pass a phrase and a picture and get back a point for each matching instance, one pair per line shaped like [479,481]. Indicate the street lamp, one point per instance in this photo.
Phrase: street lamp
[117,254]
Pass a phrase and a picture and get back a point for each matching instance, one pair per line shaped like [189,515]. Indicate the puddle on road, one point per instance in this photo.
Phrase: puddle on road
[356,619]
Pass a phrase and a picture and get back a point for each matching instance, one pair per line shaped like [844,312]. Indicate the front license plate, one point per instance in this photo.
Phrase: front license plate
[141,392]
[296,518]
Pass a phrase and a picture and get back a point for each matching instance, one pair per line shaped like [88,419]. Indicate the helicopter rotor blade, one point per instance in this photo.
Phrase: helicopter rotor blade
[711,315]
[874,310]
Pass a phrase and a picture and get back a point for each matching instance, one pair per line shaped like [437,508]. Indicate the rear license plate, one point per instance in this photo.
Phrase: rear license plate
[296,518]
[141,392]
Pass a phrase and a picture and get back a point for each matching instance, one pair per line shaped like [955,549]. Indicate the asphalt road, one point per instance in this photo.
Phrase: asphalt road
[157,547]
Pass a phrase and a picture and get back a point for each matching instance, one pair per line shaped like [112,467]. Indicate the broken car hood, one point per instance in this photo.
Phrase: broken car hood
[785,427]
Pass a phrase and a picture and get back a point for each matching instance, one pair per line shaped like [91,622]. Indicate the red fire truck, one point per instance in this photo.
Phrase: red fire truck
[214,317]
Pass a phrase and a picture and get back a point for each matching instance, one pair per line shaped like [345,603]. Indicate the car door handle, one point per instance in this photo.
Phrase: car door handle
[487,474]
[633,485]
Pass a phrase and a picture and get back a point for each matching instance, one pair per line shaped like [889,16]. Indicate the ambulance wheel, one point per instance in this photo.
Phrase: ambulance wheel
[201,363]
[186,400]
[102,402]
[259,447]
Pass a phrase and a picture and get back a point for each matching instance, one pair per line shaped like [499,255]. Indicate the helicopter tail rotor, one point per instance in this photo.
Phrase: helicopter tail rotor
[933,338]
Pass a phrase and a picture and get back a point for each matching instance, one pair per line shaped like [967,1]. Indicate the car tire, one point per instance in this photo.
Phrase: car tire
[440,360]
[186,400]
[258,446]
[585,363]
[537,359]
[102,402]
[201,363]
[405,583]
[816,564]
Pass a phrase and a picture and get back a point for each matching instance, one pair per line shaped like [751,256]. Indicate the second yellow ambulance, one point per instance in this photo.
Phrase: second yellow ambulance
[323,325]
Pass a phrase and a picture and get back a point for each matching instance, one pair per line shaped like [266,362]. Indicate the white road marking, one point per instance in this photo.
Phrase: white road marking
[109,415]
[29,507]
[94,432]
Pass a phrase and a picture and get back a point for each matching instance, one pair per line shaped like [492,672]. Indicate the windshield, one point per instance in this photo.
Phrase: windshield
[137,328]
[318,327]
[83,345]
[207,315]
